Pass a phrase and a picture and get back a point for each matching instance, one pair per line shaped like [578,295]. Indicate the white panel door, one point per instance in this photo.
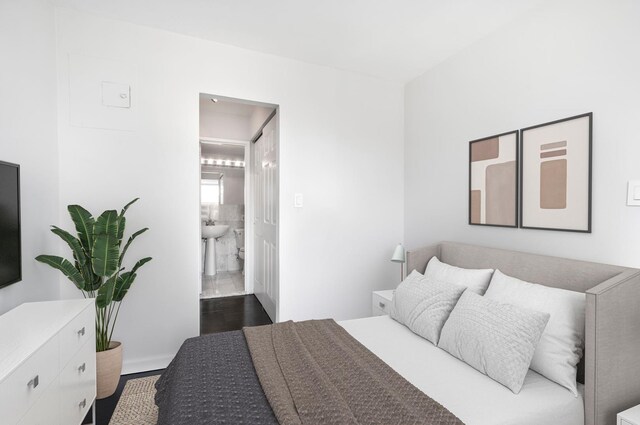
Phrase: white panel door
[265,219]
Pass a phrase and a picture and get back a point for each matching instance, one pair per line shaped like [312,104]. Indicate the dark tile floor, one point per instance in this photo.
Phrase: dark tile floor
[216,315]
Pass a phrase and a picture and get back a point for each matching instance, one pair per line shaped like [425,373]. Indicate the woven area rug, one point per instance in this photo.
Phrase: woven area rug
[136,405]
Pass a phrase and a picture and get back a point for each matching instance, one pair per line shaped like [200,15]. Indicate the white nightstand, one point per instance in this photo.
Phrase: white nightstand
[629,416]
[381,302]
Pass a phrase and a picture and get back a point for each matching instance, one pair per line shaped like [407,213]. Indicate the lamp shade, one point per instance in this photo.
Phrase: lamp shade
[398,254]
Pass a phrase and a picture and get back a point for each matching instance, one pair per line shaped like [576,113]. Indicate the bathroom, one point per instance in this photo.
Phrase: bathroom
[222,207]
[230,130]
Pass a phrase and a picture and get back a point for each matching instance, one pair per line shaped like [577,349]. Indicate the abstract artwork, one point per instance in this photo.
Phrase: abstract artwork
[556,175]
[493,181]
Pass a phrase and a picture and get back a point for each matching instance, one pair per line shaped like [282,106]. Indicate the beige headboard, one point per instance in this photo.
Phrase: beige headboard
[611,364]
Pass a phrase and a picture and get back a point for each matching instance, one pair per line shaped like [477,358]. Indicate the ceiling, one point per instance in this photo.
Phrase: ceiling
[223,105]
[391,39]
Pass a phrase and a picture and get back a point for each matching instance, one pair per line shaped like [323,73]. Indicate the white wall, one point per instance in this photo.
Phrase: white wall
[214,123]
[563,59]
[341,146]
[233,182]
[28,137]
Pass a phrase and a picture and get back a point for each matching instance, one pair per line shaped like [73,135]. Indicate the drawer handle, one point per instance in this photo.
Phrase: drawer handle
[81,332]
[83,404]
[381,304]
[33,384]
[82,367]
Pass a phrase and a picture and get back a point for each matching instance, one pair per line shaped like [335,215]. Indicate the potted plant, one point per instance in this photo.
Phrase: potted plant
[97,271]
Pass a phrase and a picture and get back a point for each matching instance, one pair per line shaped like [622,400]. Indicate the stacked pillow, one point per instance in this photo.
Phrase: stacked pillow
[560,348]
[423,304]
[515,326]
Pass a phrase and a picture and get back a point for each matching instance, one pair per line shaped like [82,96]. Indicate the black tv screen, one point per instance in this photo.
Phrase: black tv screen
[10,250]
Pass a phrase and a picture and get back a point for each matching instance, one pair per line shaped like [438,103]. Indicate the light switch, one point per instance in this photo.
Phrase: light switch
[117,95]
[298,200]
[633,194]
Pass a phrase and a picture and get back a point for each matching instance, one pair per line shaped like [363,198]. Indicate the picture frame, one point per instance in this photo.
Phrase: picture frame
[556,175]
[493,180]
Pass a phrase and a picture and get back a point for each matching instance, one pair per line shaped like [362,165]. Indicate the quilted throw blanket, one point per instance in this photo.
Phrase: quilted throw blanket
[310,372]
[314,372]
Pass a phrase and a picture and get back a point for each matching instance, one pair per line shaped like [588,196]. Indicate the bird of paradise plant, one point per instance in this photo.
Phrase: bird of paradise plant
[96,269]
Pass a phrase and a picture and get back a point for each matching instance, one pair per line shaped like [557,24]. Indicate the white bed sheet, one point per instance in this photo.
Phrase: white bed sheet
[473,397]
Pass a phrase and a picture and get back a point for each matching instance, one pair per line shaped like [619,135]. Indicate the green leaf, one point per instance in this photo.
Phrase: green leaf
[123,283]
[121,222]
[65,267]
[105,255]
[140,264]
[73,243]
[105,293]
[106,224]
[92,281]
[131,238]
[126,207]
[84,225]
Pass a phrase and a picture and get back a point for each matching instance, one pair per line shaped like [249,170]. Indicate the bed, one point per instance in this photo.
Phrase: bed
[214,377]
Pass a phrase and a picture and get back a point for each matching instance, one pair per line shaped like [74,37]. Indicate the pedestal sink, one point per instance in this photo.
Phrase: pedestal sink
[211,233]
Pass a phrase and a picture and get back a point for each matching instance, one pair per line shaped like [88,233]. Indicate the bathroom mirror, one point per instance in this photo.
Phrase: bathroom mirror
[212,189]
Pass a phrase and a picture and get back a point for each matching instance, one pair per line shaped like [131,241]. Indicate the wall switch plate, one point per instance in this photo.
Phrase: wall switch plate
[117,95]
[633,193]
[298,200]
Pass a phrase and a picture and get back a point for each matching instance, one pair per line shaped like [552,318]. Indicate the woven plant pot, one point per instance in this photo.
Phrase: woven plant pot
[108,369]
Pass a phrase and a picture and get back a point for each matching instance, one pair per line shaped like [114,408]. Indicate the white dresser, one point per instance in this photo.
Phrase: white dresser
[47,363]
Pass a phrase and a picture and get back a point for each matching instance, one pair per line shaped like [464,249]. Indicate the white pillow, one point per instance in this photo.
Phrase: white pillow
[497,339]
[562,342]
[423,305]
[476,280]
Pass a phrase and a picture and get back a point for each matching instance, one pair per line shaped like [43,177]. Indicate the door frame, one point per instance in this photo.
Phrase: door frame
[248,205]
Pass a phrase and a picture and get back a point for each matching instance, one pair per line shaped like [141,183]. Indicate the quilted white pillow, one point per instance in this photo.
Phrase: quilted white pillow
[497,339]
[424,305]
[560,348]
[476,280]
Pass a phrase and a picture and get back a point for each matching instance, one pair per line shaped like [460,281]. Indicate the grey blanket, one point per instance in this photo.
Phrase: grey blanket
[212,381]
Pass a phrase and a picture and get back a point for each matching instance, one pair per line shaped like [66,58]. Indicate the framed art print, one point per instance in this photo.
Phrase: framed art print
[556,175]
[493,180]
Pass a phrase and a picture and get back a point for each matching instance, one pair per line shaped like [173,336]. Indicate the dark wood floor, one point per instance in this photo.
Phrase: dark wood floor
[231,313]
[216,315]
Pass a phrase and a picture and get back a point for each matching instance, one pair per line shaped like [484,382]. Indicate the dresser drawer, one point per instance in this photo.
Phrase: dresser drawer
[46,411]
[24,387]
[78,385]
[380,305]
[377,312]
[76,333]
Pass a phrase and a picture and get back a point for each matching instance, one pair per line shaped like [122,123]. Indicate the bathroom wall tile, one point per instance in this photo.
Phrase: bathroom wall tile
[232,263]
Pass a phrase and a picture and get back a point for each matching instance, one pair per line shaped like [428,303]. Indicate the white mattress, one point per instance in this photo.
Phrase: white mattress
[473,397]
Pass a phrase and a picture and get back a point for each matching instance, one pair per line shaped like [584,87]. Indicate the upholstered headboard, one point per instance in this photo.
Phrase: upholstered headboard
[611,363]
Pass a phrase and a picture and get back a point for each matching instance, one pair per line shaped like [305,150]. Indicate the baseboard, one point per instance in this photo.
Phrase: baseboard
[147,364]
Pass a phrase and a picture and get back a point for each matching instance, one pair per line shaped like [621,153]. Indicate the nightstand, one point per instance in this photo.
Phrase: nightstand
[381,302]
[629,416]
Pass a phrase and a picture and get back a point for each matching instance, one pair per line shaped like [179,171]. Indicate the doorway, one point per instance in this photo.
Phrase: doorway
[239,200]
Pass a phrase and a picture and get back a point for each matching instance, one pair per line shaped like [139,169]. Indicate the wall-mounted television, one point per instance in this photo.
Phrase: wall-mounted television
[10,233]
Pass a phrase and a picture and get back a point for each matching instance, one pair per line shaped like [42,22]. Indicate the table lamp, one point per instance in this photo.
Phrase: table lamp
[399,257]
